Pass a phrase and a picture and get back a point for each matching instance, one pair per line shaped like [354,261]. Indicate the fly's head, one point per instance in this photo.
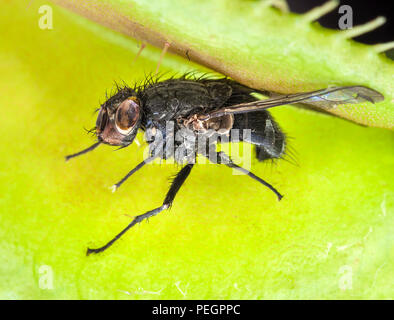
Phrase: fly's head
[119,118]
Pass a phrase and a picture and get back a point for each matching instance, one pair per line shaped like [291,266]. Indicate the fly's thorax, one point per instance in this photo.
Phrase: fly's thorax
[174,139]
[169,140]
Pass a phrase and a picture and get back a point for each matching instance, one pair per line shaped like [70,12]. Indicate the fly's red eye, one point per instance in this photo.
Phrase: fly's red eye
[101,120]
[127,115]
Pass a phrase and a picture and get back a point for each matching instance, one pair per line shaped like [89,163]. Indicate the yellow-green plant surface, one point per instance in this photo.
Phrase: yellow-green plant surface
[225,237]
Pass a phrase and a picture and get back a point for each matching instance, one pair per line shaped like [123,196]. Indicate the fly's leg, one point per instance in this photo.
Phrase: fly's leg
[139,166]
[223,158]
[91,148]
[175,186]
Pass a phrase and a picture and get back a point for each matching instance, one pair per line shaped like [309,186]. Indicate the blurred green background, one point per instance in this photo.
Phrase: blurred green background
[226,237]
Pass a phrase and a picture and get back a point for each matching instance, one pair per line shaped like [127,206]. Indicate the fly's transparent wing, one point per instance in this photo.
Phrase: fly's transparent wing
[343,95]
[324,99]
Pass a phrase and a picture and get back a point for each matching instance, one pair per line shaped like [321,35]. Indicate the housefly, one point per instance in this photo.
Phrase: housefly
[202,108]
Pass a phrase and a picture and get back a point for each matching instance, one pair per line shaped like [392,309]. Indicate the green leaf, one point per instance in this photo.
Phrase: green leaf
[256,45]
[225,236]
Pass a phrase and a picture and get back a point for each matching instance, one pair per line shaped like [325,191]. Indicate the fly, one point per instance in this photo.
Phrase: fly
[202,108]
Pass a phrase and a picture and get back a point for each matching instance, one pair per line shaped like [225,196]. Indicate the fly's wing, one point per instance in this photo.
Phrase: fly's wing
[324,99]
[344,95]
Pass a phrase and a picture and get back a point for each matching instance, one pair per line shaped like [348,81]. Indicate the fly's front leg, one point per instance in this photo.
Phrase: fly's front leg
[175,186]
[139,166]
[223,158]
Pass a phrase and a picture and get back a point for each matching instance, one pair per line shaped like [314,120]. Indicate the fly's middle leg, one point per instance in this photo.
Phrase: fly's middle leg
[175,186]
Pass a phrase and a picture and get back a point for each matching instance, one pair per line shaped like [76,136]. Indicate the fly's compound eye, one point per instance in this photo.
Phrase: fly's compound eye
[127,115]
[101,120]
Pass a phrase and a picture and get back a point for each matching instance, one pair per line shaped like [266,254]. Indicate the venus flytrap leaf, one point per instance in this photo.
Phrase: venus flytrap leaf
[259,46]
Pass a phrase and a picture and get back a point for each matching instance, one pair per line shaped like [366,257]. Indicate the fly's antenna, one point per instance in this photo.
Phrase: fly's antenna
[91,148]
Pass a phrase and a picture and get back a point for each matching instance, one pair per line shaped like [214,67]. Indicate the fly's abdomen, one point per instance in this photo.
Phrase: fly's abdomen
[265,133]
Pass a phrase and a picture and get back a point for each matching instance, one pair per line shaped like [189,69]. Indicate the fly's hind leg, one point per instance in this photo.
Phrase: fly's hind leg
[223,158]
